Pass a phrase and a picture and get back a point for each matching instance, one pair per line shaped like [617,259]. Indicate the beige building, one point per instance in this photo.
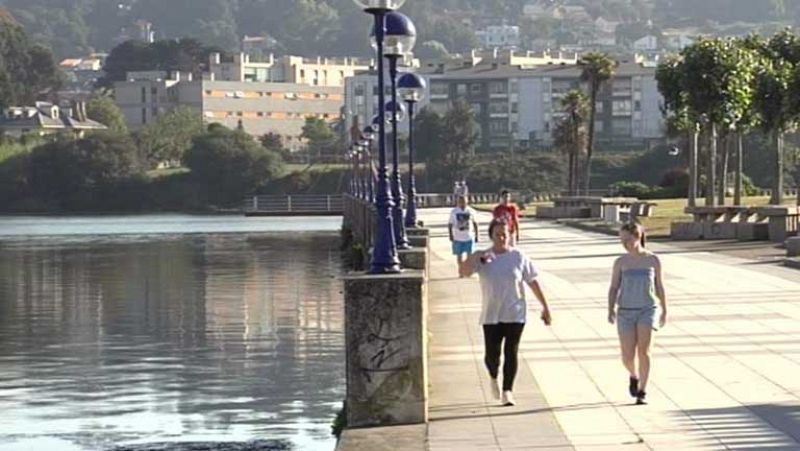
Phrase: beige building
[271,96]
[256,107]
[287,69]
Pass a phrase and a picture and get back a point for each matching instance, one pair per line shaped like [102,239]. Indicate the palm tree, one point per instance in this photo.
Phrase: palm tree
[570,134]
[596,68]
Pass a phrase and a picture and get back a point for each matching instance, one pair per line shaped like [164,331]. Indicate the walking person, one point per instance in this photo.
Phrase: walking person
[509,212]
[636,284]
[463,229]
[504,271]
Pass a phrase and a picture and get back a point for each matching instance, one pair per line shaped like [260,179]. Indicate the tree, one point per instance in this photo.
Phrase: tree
[432,50]
[773,101]
[106,112]
[318,134]
[184,55]
[227,164]
[721,95]
[459,135]
[671,78]
[428,131]
[571,134]
[170,137]
[596,68]
[26,69]
[77,174]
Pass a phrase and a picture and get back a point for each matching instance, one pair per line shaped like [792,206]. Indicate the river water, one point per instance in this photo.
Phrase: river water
[169,332]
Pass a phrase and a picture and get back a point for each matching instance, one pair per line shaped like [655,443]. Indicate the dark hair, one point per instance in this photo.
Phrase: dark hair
[637,230]
[504,192]
[497,222]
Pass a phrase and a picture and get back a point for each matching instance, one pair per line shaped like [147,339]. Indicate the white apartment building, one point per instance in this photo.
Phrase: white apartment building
[271,96]
[520,104]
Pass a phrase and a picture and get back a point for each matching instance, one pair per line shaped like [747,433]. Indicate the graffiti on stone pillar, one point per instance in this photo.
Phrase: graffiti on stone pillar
[383,346]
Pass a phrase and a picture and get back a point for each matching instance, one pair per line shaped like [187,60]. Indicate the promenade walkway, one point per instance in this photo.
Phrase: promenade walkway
[726,371]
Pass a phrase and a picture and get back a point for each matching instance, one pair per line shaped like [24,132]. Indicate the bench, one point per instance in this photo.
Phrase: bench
[737,222]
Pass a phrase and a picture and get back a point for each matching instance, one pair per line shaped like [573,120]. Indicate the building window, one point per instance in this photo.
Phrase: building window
[144,114]
[208,92]
[476,109]
[461,89]
[239,114]
[621,107]
[514,127]
[498,108]
[637,105]
[153,93]
[514,107]
[498,127]
[476,89]
[498,87]
[440,89]
[360,90]
[260,114]
[621,127]
[154,112]
[144,94]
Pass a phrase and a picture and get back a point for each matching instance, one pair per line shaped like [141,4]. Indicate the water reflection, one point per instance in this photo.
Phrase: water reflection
[193,338]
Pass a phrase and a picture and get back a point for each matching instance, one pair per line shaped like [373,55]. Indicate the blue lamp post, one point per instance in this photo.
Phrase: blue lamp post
[384,254]
[412,89]
[401,35]
[369,135]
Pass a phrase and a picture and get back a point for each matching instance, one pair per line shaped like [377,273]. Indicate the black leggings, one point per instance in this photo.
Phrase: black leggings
[493,335]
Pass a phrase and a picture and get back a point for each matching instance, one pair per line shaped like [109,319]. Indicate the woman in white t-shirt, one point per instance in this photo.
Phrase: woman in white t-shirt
[504,271]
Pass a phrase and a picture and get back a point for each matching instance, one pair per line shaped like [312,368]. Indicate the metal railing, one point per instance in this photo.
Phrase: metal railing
[294,204]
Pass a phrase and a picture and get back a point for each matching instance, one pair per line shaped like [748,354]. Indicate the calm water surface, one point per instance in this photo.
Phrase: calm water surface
[156,329]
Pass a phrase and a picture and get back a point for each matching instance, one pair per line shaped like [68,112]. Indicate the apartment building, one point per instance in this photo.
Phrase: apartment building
[271,96]
[519,104]
[287,69]
[361,90]
[256,107]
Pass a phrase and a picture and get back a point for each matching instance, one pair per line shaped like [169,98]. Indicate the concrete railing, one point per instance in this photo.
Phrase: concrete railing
[293,204]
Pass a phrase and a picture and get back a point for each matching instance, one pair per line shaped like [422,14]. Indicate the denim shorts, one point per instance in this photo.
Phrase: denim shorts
[462,247]
[629,318]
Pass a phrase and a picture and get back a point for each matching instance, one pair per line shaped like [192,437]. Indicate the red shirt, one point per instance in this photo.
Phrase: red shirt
[508,212]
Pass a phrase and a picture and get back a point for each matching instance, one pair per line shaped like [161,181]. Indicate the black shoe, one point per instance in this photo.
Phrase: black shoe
[640,398]
[633,386]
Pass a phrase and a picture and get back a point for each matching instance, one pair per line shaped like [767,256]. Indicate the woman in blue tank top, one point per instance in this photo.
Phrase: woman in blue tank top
[636,285]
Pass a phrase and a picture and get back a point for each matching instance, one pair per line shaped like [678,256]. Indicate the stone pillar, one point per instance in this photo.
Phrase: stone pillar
[793,246]
[386,335]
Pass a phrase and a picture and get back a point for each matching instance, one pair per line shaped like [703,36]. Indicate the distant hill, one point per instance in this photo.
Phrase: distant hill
[336,27]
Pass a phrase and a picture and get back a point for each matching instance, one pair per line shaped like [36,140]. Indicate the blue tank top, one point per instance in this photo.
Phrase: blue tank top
[638,288]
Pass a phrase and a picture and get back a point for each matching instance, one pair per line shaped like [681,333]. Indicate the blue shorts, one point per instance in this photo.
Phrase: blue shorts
[629,319]
[462,247]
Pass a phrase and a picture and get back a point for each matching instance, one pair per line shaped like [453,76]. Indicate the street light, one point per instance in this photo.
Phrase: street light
[412,88]
[369,135]
[401,35]
[384,254]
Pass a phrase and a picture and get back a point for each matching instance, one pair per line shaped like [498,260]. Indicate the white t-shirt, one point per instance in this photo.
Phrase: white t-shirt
[461,220]
[503,281]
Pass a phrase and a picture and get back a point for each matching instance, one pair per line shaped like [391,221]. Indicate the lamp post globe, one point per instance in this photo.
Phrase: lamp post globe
[379,5]
[401,35]
[412,89]
[394,111]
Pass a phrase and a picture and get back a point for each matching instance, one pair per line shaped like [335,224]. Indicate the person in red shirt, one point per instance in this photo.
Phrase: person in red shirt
[509,212]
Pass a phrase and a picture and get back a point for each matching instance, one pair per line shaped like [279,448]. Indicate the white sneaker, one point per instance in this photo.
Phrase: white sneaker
[508,398]
[495,384]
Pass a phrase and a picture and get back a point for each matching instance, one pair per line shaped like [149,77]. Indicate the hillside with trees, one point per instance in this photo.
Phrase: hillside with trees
[336,27]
